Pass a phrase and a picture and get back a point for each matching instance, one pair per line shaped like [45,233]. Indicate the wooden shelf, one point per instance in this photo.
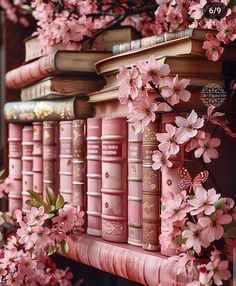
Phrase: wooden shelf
[130,262]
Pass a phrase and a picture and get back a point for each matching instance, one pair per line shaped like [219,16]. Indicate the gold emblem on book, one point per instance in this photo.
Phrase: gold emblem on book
[149,135]
[133,169]
[149,209]
[113,227]
[42,110]
[148,179]
[46,134]
[36,131]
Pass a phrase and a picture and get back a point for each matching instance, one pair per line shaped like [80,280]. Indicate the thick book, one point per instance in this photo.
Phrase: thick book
[182,46]
[50,156]
[94,176]
[27,165]
[135,187]
[151,189]
[157,39]
[34,47]
[38,157]
[130,262]
[114,179]
[65,168]
[47,110]
[61,86]
[79,164]
[15,165]
[58,62]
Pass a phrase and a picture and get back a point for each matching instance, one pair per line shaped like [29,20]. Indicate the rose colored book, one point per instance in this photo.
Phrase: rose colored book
[15,165]
[150,269]
[114,179]
[79,168]
[38,157]
[94,176]
[50,155]
[169,177]
[65,139]
[151,189]
[27,165]
[134,186]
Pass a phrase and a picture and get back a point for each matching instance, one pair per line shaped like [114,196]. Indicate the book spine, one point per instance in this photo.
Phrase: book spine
[31,72]
[134,186]
[47,110]
[114,179]
[27,165]
[94,176]
[79,167]
[35,91]
[151,41]
[151,189]
[50,152]
[65,138]
[124,261]
[169,181]
[15,165]
[38,157]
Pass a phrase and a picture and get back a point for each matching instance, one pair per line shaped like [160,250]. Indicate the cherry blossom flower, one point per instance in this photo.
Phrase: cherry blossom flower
[196,11]
[195,238]
[161,160]
[204,276]
[213,225]
[37,216]
[176,207]
[130,80]
[171,140]
[9,185]
[226,31]
[203,201]
[151,71]
[174,17]
[27,236]
[219,270]
[207,148]
[190,124]
[193,142]
[144,111]
[175,90]
[213,49]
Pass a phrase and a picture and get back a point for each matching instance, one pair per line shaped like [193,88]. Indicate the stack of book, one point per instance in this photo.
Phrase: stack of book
[70,133]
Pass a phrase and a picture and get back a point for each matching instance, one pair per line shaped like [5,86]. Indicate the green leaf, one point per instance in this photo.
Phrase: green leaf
[52,249]
[33,203]
[230,233]
[2,173]
[64,247]
[59,202]
[36,196]
[180,239]
[51,215]
[1,236]
[220,203]
[50,197]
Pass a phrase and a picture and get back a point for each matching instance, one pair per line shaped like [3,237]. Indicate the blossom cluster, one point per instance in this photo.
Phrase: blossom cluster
[193,222]
[24,256]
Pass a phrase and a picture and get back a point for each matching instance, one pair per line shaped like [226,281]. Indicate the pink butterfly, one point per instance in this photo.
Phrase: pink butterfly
[185,182]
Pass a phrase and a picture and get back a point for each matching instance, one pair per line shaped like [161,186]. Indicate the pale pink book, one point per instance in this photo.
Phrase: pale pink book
[134,186]
[114,179]
[79,166]
[170,178]
[15,165]
[38,157]
[50,155]
[65,172]
[151,189]
[94,176]
[27,165]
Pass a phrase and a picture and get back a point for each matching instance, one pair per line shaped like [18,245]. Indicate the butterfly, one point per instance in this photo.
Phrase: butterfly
[185,182]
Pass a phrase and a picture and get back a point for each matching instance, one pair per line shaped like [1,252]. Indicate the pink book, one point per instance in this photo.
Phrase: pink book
[94,176]
[27,165]
[114,179]
[65,138]
[50,154]
[170,177]
[15,165]
[38,157]
[151,189]
[79,168]
[124,260]
[134,186]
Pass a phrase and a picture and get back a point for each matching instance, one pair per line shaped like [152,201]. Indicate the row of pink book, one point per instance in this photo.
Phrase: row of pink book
[98,164]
